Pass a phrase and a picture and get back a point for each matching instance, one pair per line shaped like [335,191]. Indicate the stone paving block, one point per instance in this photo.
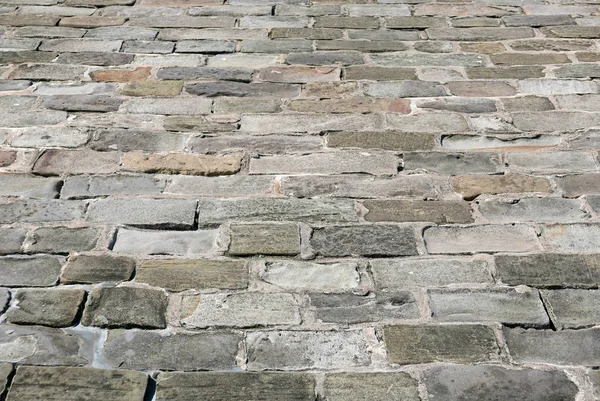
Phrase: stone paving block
[351,309]
[181,163]
[576,185]
[128,349]
[300,350]
[330,277]
[564,347]
[481,238]
[551,162]
[71,383]
[498,143]
[410,344]
[63,239]
[81,187]
[442,212]
[38,211]
[30,271]
[194,73]
[145,213]
[214,212]
[12,240]
[452,163]
[387,140]
[154,242]
[81,161]
[471,186]
[92,268]
[508,305]
[265,239]
[572,308]
[184,274]
[376,386]
[398,274]
[221,187]
[44,137]
[221,386]
[532,209]
[365,240]
[38,345]
[484,382]
[46,307]
[248,309]
[125,307]
[152,88]
[572,237]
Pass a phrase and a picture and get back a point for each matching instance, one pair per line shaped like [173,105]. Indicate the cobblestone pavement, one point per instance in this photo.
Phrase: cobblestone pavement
[302,200]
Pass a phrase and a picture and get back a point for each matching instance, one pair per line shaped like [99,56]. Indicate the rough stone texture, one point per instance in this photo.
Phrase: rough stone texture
[443,212]
[572,308]
[147,350]
[471,383]
[71,384]
[501,306]
[125,307]
[300,350]
[238,310]
[463,344]
[46,307]
[180,163]
[63,239]
[165,242]
[331,277]
[573,237]
[378,386]
[89,268]
[181,275]
[266,239]
[471,186]
[225,386]
[30,271]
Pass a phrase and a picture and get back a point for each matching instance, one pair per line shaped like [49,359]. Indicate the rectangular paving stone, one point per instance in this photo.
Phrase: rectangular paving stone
[373,386]
[195,73]
[464,344]
[452,163]
[387,140]
[234,186]
[266,239]
[551,162]
[471,383]
[364,240]
[125,307]
[184,274]
[572,308]
[549,269]
[481,238]
[575,185]
[47,307]
[533,209]
[471,186]
[82,187]
[144,213]
[564,347]
[329,277]
[572,237]
[97,268]
[507,305]
[440,60]
[40,211]
[404,89]
[442,212]
[300,350]
[76,383]
[216,211]
[351,309]
[181,351]
[398,274]
[164,242]
[225,386]
[479,34]
[60,161]
[182,163]
[12,240]
[248,309]
[30,271]
[168,106]
[80,45]
[491,143]
[63,239]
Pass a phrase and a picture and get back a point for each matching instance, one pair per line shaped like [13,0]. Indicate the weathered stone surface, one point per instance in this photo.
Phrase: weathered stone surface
[168,106]
[518,72]
[63,239]
[565,347]
[95,58]
[579,102]
[38,211]
[387,140]
[197,124]
[556,87]
[6,370]
[234,186]
[131,139]
[443,212]
[225,386]
[81,187]
[185,274]
[572,237]
[306,33]
[364,240]
[214,212]
[138,74]
[573,186]
[481,89]
[90,268]
[350,308]
[152,88]
[461,105]
[353,105]
[48,72]
[300,350]
[247,309]
[331,277]
[508,305]
[266,239]
[128,349]
[345,58]
[375,163]
[158,213]
[474,383]
[165,242]
[481,238]
[498,143]
[549,269]
[572,308]
[217,89]
[528,103]
[125,307]
[83,161]
[451,343]
[532,209]
[38,345]
[12,240]
[404,89]
[34,117]
[71,384]
[226,105]
[453,163]
[377,386]
[471,186]
[30,271]
[398,274]
[181,163]
[46,307]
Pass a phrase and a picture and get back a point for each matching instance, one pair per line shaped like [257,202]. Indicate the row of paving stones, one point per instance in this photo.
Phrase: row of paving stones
[442,382]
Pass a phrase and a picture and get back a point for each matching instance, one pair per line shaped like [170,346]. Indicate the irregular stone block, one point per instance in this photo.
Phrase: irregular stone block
[572,308]
[573,186]
[54,308]
[470,142]
[345,58]
[404,89]
[217,89]
[11,239]
[88,269]
[432,60]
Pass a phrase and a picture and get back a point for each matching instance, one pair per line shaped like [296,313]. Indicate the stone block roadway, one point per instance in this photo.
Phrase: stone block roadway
[299,200]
